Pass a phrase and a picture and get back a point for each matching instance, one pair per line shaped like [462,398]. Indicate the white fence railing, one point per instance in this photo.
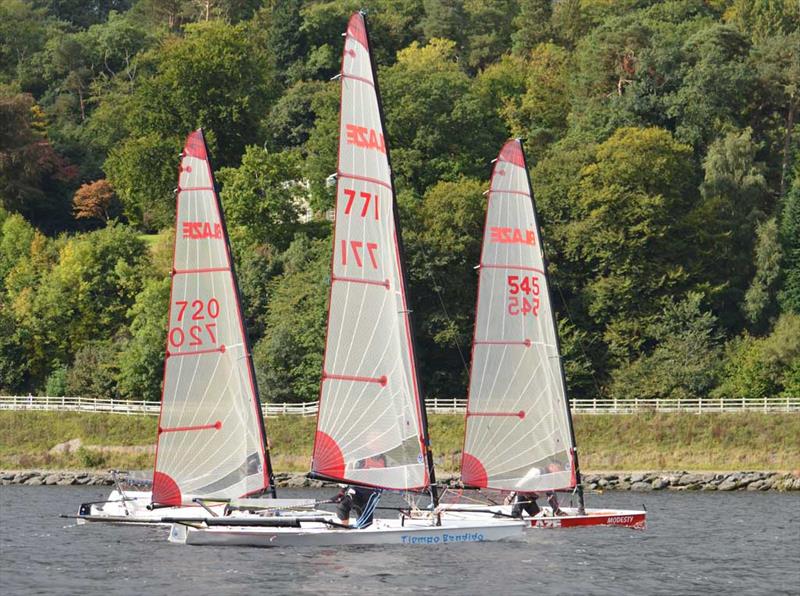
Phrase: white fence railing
[435,405]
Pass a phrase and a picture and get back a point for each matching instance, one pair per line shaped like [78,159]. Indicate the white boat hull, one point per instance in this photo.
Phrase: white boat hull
[411,532]
[628,518]
[131,507]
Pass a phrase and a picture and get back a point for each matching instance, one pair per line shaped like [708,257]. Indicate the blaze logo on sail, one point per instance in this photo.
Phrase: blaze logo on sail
[366,138]
[201,230]
[499,235]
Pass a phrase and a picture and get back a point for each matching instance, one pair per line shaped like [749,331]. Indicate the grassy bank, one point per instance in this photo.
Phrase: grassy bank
[715,441]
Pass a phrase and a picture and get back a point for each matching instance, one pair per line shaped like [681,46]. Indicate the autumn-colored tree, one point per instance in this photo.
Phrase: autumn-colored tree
[93,200]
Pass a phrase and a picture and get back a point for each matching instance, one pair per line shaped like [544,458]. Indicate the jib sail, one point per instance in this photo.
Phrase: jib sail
[210,433]
[370,428]
[518,430]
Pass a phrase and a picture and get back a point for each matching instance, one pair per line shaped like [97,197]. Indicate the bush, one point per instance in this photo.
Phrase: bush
[89,458]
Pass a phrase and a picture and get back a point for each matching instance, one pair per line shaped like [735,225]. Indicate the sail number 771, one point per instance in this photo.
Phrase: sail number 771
[523,295]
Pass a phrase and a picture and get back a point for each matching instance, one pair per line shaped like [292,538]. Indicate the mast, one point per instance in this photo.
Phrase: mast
[211,439]
[518,434]
[371,429]
[248,347]
[546,264]
[401,251]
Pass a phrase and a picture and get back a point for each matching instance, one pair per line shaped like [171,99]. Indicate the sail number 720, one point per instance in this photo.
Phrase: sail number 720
[203,331]
[523,295]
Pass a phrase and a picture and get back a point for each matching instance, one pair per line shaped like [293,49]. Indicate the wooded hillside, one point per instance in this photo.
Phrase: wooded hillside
[662,139]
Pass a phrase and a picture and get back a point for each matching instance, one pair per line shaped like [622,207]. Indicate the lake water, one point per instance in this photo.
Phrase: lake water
[695,543]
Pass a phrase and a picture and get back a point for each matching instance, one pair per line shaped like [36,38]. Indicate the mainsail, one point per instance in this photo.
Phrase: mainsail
[371,426]
[518,426]
[210,433]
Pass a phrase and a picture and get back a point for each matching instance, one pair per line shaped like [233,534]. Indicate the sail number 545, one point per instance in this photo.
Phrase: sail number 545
[523,296]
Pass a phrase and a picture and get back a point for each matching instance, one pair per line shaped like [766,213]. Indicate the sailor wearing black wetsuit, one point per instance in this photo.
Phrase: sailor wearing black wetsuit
[358,498]
[527,502]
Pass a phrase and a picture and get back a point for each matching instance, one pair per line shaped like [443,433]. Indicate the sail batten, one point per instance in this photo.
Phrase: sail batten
[370,430]
[211,440]
[518,434]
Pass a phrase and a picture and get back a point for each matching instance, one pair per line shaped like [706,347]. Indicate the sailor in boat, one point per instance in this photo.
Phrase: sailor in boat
[526,501]
[360,499]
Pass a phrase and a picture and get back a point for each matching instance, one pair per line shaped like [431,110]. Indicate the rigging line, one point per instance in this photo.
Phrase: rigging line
[577,340]
[444,308]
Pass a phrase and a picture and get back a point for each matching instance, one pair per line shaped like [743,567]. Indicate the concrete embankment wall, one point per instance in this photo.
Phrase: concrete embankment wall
[637,481]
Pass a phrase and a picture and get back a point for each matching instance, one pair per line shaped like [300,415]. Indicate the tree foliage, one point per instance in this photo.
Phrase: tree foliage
[662,138]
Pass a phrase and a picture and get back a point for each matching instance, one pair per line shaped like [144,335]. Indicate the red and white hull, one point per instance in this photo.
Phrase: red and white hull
[626,518]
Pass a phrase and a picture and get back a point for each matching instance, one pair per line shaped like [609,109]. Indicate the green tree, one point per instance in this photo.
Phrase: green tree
[717,85]
[540,114]
[214,77]
[789,295]
[759,300]
[16,236]
[762,19]
[532,25]
[32,174]
[445,19]
[776,61]
[683,364]
[94,370]
[13,355]
[24,29]
[489,30]
[631,230]
[734,200]
[87,294]
[141,358]
[443,243]
[455,137]
[143,172]
[755,368]
[288,359]
[264,196]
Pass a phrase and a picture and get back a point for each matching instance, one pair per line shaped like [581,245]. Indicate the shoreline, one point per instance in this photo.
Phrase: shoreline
[630,481]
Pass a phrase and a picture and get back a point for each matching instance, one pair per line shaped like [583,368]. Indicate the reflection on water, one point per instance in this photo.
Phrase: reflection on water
[747,543]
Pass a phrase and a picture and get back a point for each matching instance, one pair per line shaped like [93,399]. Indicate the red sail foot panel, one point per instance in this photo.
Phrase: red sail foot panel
[328,459]
[472,471]
[165,490]
[512,153]
[195,145]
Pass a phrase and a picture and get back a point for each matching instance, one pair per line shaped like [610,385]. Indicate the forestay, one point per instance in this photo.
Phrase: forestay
[369,429]
[210,431]
[517,427]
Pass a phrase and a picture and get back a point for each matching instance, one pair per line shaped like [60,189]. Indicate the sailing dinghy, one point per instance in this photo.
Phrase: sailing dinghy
[519,434]
[211,447]
[371,427]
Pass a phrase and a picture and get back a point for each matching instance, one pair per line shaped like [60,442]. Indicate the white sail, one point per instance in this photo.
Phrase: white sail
[369,429]
[518,434]
[210,432]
